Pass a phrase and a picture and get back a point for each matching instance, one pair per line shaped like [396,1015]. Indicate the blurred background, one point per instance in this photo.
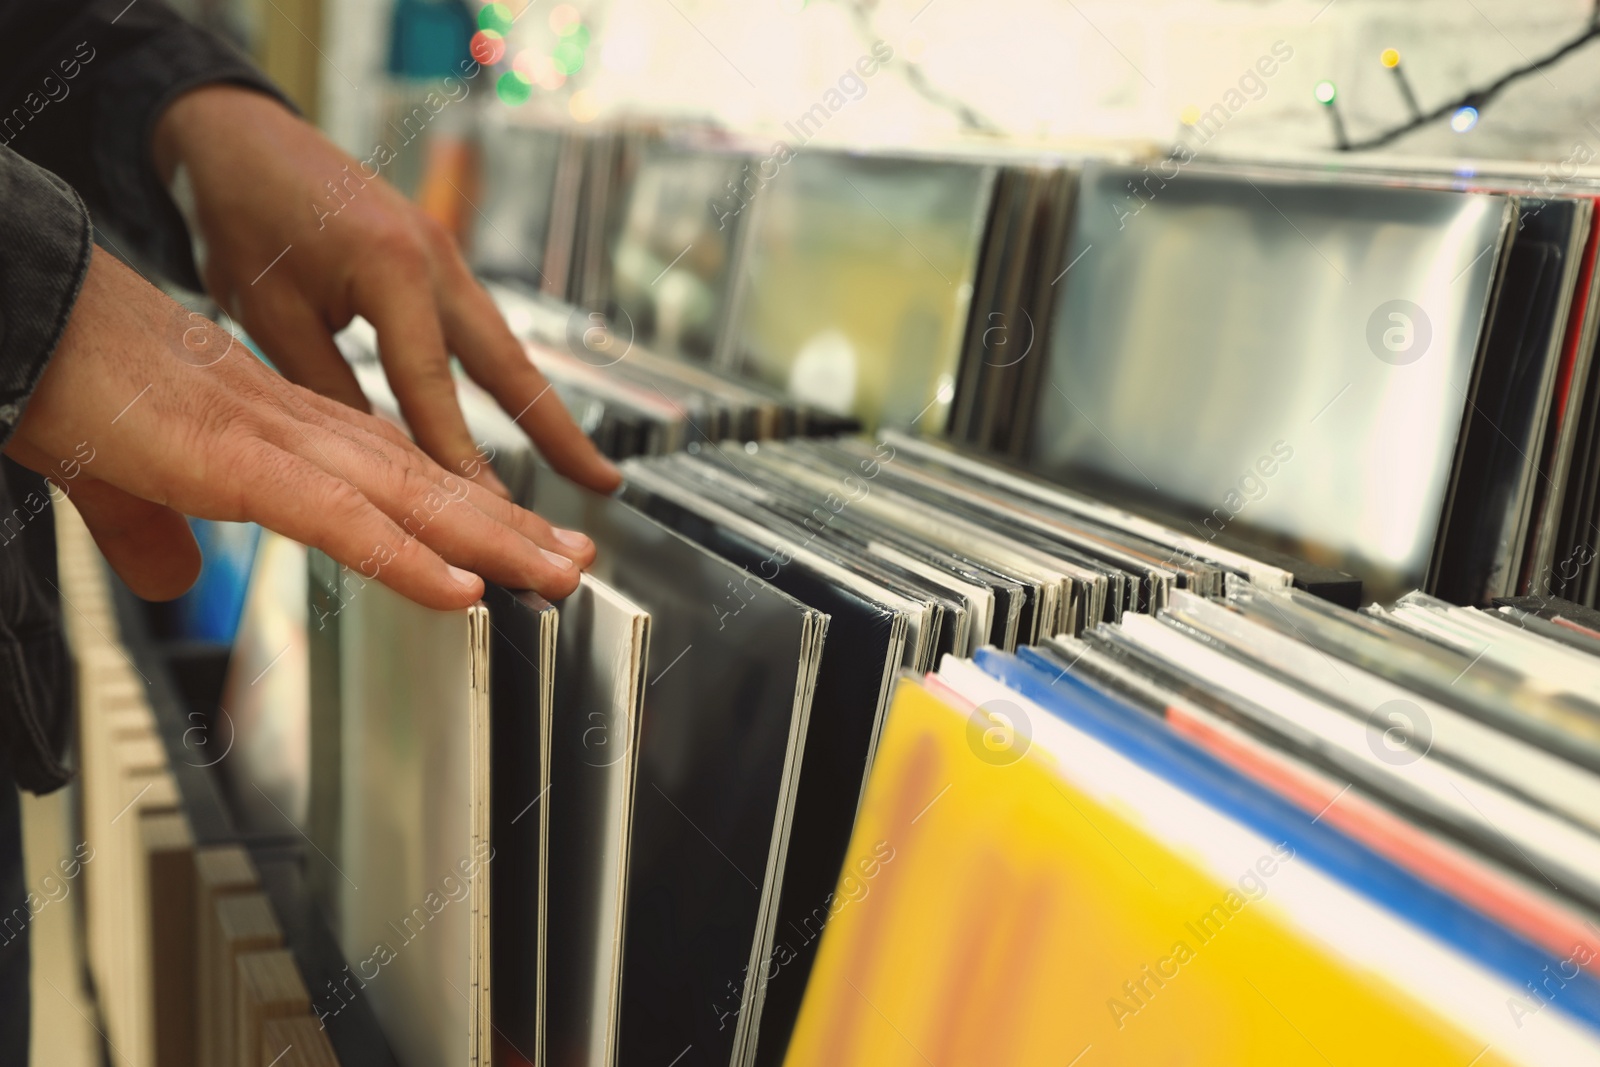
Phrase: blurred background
[1061,73]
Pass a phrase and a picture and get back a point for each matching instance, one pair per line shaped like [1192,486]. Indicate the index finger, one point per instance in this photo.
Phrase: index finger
[498,362]
[411,346]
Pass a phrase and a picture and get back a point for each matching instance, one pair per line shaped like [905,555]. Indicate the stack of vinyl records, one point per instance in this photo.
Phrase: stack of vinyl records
[679,752]
[530,825]
[668,763]
[844,280]
[1412,355]
[855,282]
[1013,303]
[532,177]
[682,215]
[551,213]
[1157,335]
[630,401]
[913,551]
[699,810]
[1257,830]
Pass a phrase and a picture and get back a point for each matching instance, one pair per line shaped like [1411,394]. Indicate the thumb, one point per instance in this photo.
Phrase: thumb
[149,545]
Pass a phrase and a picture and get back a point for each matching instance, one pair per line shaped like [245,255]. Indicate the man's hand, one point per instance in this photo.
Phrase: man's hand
[293,274]
[146,411]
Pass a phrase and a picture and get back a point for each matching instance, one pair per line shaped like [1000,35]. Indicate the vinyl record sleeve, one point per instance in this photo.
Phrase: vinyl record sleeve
[997,257]
[857,282]
[587,791]
[325,599]
[674,257]
[1524,769]
[1559,489]
[1114,866]
[866,638]
[1503,896]
[1556,486]
[1481,555]
[1012,306]
[522,672]
[413,844]
[1424,913]
[1488,690]
[1171,335]
[512,227]
[1480,813]
[733,665]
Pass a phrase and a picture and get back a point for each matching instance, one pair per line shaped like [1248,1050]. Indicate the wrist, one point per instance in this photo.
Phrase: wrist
[196,114]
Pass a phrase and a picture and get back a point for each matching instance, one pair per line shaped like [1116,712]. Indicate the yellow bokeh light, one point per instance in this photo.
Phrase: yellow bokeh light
[1189,115]
[582,107]
[1390,57]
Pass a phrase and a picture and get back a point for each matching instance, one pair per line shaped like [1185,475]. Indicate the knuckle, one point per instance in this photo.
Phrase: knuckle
[381,428]
[235,486]
[411,484]
[341,502]
[208,428]
[425,380]
[435,236]
[434,375]
[418,502]
[402,248]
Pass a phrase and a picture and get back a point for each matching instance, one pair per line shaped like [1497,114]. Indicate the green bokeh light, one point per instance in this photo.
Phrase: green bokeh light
[568,57]
[496,17]
[514,87]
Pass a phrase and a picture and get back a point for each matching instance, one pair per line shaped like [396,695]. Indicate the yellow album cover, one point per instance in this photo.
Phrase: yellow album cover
[991,912]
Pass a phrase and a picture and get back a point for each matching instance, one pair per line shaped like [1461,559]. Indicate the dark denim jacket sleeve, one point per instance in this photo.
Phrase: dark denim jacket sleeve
[81,85]
[44,252]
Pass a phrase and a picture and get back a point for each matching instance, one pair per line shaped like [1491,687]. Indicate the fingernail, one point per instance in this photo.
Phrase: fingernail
[571,538]
[560,562]
[465,579]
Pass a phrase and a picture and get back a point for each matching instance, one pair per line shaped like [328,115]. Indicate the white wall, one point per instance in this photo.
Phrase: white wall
[1066,69]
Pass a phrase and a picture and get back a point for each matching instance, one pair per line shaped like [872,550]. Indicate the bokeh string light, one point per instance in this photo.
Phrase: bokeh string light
[1465,111]
[549,68]
[496,17]
[487,47]
[1327,94]
[970,118]
[514,87]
